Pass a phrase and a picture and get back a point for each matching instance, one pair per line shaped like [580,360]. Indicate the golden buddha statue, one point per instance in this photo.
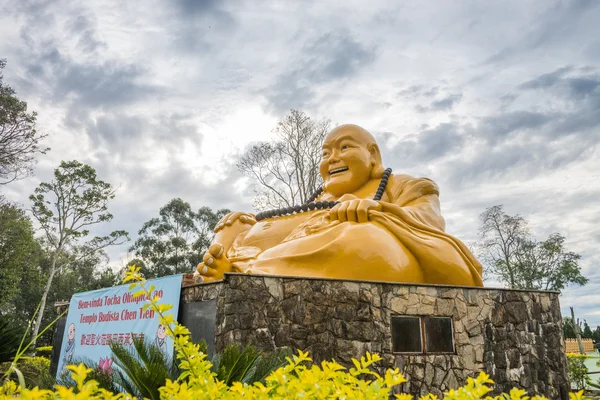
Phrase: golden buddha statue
[364,224]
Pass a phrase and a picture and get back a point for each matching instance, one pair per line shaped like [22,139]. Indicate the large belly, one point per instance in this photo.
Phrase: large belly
[348,250]
[269,233]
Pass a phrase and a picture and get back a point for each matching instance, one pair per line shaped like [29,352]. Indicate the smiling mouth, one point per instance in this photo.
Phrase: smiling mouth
[338,170]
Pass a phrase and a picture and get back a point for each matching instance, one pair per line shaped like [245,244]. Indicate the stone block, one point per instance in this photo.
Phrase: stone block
[398,305]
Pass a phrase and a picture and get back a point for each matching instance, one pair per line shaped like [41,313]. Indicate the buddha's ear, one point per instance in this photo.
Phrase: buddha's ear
[376,161]
[375,153]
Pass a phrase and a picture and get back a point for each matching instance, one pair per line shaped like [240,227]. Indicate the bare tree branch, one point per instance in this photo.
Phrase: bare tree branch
[19,141]
[287,170]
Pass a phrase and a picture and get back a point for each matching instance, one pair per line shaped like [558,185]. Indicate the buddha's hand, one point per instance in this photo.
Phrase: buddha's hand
[214,264]
[230,218]
[353,209]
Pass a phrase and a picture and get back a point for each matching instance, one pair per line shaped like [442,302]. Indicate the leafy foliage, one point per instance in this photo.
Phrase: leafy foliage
[596,334]
[78,276]
[587,331]
[176,240]
[44,351]
[36,371]
[568,328]
[246,365]
[66,208]
[143,368]
[10,338]
[19,140]
[578,372]
[297,379]
[19,252]
[520,261]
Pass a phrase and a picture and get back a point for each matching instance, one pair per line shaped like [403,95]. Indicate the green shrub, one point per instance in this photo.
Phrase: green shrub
[10,338]
[143,368]
[246,364]
[36,371]
[44,351]
[298,379]
[578,372]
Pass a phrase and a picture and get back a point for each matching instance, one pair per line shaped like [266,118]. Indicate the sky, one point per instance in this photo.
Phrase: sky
[497,102]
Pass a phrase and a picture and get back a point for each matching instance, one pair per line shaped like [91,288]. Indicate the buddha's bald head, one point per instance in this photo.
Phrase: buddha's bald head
[351,158]
[356,131]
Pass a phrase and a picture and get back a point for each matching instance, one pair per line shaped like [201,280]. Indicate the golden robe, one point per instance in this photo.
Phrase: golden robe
[404,242]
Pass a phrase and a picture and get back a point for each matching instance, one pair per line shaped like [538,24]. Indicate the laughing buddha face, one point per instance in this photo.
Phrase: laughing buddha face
[350,157]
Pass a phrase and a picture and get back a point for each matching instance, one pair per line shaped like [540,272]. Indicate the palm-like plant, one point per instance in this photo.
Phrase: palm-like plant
[247,365]
[10,338]
[142,368]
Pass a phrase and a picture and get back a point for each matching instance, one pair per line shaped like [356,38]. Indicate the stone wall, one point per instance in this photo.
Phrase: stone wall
[515,336]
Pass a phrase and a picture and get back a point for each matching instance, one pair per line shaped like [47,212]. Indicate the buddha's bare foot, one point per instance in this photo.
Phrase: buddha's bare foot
[214,264]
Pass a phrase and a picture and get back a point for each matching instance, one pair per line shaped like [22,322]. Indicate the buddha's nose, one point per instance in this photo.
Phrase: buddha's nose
[333,158]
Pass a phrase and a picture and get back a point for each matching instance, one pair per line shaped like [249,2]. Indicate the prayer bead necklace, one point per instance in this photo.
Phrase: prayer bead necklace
[311,204]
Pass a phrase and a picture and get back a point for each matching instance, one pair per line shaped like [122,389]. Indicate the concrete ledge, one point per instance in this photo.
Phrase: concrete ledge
[228,274]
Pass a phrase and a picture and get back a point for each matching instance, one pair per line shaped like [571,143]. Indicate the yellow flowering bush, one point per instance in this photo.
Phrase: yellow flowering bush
[298,379]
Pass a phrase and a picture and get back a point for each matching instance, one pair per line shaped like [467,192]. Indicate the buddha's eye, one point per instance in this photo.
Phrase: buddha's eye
[325,155]
[344,147]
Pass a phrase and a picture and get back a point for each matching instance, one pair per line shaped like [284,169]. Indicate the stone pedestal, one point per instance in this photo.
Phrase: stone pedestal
[515,336]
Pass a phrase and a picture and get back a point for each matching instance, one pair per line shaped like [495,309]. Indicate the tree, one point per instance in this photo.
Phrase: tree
[66,209]
[521,262]
[175,241]
[596,334]
[577,328]
[19,140]
[587,331]
[548,265]
[568,328]
[501,235]
[18,252]
[76,276]
[286,169]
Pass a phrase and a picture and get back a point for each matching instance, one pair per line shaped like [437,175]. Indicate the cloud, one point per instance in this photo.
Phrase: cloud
[88,79]
[84,27]
[108,84]
[201,26]
[444,104]
[578,87]
[425,147]
[546,80]
[328,58]
[579,95]
[497,127]
[548,30]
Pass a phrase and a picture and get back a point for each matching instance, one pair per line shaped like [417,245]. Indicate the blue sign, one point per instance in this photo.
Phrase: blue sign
[98,317]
